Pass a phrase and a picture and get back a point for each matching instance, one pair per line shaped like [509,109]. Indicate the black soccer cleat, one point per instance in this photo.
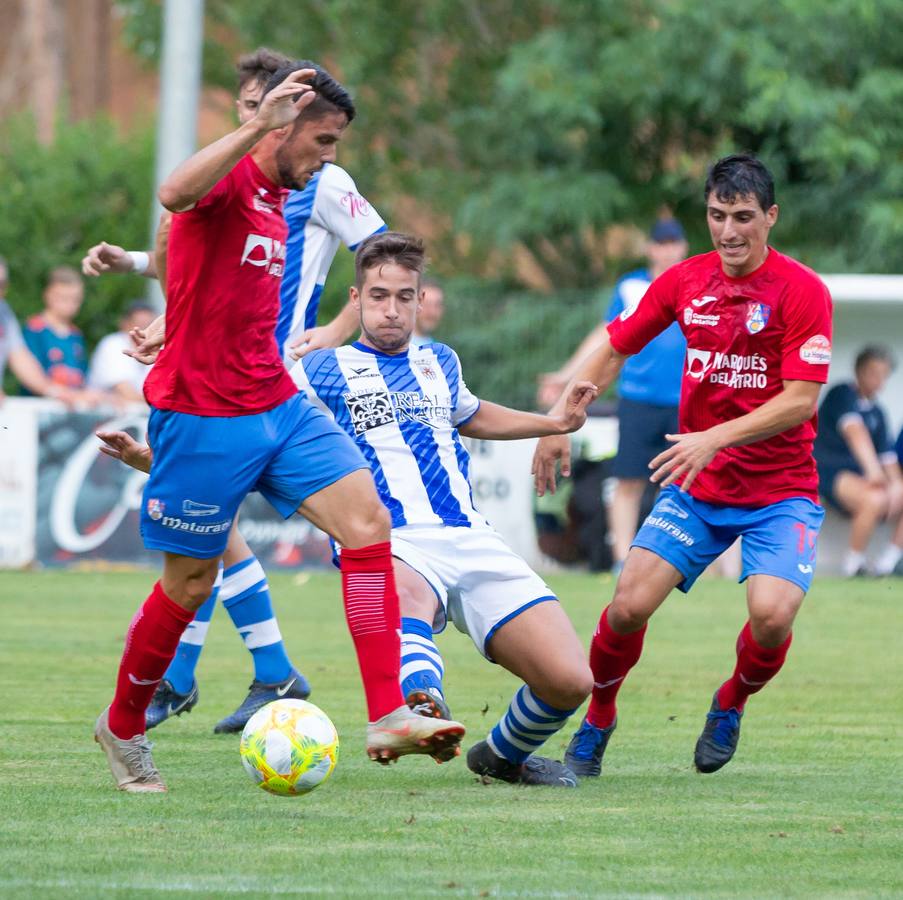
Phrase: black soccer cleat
[535,770]
[166,702]
[718,741]
[295,687]
[586,749]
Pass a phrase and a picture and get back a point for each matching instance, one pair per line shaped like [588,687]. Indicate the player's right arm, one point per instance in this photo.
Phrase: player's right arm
[198,175]
[106,258]
[122,446]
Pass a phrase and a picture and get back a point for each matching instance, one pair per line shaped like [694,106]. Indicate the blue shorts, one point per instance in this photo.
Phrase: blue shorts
[779,539]
[204,466]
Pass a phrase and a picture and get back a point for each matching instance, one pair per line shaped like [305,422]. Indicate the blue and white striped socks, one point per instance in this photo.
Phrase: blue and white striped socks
[526,726]
[246,596]
[421,662]
[180,673]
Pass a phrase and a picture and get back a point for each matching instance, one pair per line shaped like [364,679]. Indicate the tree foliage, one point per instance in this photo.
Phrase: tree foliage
[542,123]
[90,184]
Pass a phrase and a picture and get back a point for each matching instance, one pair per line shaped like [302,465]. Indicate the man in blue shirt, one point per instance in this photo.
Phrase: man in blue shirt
[648,390]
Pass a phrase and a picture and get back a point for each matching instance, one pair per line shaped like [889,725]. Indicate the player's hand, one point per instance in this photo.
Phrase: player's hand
[689,454]
[318,338]
[147,342]
[579,398]
[284,103]
[550,451]
[122,446]
[104,257]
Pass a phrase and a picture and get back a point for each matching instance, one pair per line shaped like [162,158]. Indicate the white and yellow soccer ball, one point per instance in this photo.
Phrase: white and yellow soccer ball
[289,747]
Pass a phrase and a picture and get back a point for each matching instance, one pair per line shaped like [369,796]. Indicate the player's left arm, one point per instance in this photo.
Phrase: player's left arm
[690,453]
[122,446]
[492,422]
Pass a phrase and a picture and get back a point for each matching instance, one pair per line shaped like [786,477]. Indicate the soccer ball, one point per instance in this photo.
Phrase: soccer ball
[289,747]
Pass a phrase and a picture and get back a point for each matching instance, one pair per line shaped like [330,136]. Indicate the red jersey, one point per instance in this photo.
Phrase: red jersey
[224,268]
[745,336]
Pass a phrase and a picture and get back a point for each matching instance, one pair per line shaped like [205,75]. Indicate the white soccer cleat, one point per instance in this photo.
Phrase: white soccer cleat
[130,761]
[402,732]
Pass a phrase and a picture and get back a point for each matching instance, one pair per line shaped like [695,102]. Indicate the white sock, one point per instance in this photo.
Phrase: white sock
[888,559]
[852,563]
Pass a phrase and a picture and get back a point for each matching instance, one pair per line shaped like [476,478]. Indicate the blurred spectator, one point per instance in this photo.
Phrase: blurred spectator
[648,390]
[858,468]
[432,307]
[111,370]
[51,335]
[21,360]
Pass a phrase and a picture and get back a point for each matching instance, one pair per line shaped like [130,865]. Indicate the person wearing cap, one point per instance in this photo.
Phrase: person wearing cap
[111,371]
[648,389]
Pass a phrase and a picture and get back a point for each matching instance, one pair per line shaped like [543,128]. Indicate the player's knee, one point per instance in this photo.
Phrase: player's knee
[415,605]
[627,613]
[569,688]
[771,627]
[369,523]
[190,587]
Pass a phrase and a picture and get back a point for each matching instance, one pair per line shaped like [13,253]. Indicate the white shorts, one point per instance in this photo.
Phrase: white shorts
[480,582]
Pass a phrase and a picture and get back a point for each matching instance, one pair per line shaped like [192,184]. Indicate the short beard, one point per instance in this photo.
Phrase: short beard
[400,343]
[285,173]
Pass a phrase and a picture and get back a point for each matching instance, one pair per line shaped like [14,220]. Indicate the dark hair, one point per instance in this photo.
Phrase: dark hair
[387,247]
[331,96]
[138,306]
[63,275]
[259,65]
[739,176]
[870,352]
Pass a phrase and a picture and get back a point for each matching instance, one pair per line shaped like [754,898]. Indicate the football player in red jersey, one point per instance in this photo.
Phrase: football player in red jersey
[226,419]
[758,329]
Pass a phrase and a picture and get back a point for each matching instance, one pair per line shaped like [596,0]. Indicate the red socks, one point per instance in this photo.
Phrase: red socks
[371,608]
[756,666]
[611,657]
[149,648]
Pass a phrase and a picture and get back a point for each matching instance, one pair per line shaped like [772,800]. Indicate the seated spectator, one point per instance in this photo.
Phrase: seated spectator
[21,360]
[858,469]
[111,370]
[51,335]
[432,308]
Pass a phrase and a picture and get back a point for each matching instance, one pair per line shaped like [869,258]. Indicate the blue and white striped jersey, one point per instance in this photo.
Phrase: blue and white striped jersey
[403,412]
[328,211]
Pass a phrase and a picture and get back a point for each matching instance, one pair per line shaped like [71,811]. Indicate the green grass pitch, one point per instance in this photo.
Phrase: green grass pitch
[811,806]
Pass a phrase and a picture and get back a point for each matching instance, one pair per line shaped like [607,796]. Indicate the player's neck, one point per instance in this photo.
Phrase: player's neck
[265,161]
[748,267]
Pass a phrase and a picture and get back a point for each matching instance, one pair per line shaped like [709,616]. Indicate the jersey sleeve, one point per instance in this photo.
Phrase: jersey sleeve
[303,379]
[466,404]
[341,210]
[806,351]
[219,195]
[638,324]
[840,407]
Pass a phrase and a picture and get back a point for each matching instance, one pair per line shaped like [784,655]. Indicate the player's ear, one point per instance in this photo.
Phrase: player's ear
[354,297]
[771,215]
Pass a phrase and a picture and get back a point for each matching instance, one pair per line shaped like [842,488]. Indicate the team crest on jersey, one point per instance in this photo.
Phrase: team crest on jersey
[757,315]
[426,370]
[155,508]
